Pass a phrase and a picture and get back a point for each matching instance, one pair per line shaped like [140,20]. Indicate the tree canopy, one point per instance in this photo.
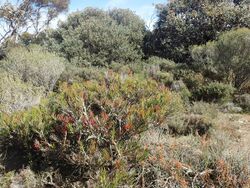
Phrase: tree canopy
[183,23]
[17,17]
[98,37]
[227,59]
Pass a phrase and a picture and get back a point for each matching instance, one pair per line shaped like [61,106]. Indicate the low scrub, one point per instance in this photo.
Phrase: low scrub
[88,132]
[16,95]
[33,65]
[214,92]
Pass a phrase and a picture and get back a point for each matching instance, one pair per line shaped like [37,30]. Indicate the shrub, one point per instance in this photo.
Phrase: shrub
[214,92]
[74,73]
[244,101]
[226,59]
[180,87]
[97,37]
[88,132]
[190,124]
[164,77]
[192,79]
[33,65]
[16,95]
[164,64]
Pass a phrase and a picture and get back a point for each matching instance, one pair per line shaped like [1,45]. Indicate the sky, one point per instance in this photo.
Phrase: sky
[143,8]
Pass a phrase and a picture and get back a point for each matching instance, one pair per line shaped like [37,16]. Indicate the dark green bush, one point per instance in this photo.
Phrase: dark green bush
[164,64]
[191,124]
[226,59]
[214,92]
[98,37]
[244,101]
[182,24]
[192,79]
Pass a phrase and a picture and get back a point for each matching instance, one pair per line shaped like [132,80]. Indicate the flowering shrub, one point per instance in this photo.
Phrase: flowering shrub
[89,131]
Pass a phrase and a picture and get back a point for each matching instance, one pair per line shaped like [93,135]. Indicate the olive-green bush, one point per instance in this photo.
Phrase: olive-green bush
[98,37]
[226,59]
[244,101]
[33,65]
[214,92]
[16,95]
[164,64]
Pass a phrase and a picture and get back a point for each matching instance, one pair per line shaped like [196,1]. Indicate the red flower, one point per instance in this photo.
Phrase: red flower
[127,127]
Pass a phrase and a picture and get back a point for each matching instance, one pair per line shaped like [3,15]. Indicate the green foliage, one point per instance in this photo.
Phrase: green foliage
[244,101]
[99,37]
[77,74]
[33,65]
[164,64]
[15,94]
[113,119]
[183,23]
[192,79]
[165,78]
[214,92]
[227,59]
[90,130]
[191,124]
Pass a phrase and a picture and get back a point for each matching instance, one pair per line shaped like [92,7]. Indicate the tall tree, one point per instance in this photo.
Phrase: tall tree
[28,15]
[183,23]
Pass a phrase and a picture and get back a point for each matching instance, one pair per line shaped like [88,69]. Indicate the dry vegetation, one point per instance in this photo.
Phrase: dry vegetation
[102,102]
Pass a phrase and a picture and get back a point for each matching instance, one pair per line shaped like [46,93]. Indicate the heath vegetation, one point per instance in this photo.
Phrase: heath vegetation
[103,101]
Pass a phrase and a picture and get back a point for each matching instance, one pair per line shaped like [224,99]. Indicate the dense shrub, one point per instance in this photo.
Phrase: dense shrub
[77,74]
[98,37]
[34,65]
[16,95]
[165,78]
[164,64]
[190,124]
[226,59]
[244,101]
[88,132]
[192,79]
[214,92]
